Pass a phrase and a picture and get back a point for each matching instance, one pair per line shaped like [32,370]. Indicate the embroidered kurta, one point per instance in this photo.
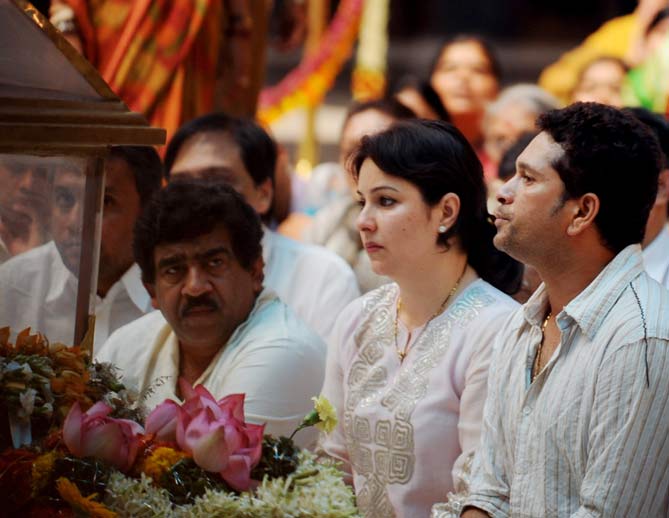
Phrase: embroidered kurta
[589,437]
[404,427]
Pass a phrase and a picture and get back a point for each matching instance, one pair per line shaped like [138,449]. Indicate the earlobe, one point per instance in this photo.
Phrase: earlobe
[264,196]
[585,212]
[258,274]
[663,188]
[150,288]
[449,209]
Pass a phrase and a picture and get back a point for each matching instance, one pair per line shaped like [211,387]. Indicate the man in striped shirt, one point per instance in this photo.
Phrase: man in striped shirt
[577,416]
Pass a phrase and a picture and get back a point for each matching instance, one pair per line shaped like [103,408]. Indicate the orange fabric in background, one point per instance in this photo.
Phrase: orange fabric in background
[159,56]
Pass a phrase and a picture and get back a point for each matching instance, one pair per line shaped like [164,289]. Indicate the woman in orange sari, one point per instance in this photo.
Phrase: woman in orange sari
[159,56]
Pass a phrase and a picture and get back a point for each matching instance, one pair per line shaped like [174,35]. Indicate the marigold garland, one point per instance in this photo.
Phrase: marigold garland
[85,504]
[41,470]
[160,461]
[307,84]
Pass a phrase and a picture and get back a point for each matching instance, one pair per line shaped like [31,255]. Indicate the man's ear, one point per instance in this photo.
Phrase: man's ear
[263,197]
[152,292]
[258,274]
[584,212]
[663,188]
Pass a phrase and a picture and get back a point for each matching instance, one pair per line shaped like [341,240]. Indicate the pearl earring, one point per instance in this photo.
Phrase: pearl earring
[442,229]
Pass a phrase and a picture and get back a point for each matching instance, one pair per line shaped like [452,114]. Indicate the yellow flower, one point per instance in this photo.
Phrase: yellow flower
[84,504]
[327,415]
[41,470]
[160,461]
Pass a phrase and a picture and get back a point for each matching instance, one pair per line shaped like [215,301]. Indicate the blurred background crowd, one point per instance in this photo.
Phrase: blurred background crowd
[321,74]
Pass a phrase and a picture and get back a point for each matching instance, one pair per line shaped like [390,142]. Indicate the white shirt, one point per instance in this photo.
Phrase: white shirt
[314,282]
[405,427]
[38,291]
[272,358]
[589,437]
[656,257]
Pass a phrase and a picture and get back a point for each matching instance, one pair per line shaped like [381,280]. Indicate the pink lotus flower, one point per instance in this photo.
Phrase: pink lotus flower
[213,432]
[94,434]
[162,421]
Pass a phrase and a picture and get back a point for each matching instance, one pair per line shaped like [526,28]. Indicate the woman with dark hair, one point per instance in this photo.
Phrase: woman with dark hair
[334,226]
[420,97]
[466,74]
[407,364]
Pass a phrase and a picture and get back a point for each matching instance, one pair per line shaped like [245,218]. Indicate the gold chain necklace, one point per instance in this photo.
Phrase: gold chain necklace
[402,353]
[536,370]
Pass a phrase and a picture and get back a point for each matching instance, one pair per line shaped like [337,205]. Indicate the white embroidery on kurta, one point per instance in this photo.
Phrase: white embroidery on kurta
[382,451]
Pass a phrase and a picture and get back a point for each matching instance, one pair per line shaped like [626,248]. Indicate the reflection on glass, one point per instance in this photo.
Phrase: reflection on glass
[23,204]
[39,282]
[66,215]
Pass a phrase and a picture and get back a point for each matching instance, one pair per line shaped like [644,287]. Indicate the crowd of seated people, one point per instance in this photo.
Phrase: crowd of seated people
[458,199]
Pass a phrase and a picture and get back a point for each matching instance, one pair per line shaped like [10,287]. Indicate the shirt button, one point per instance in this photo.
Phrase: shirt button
[527,410]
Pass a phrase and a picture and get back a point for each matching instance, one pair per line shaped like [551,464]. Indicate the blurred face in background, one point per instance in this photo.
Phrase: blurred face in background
[657,36]
[67,205]
[502,129]
[363,123]
[214,155]
[121,209]
[464,78]
[601,82]
[23,200]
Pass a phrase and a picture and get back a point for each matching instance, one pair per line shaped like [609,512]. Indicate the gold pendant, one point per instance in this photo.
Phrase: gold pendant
[401,355]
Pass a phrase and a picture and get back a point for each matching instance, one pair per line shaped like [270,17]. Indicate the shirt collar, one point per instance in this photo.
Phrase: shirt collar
[132,282]
[535,308]
[62,279]
[264,297]
[657,250]
[266,243]
[590,307]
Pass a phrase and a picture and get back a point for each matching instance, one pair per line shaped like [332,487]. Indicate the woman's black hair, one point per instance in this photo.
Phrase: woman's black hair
[486,46]
[436,158]
[426,91]
[659,16]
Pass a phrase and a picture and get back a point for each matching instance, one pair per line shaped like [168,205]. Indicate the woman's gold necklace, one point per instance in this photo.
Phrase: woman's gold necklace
[402,353]
[536,370]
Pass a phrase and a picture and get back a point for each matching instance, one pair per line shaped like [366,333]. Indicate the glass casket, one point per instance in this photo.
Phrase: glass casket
[58,119]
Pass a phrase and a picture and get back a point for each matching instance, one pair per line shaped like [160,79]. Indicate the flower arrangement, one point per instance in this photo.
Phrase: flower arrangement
[75,447]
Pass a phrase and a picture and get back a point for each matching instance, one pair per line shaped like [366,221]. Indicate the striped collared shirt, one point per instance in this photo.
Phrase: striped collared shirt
[590,436]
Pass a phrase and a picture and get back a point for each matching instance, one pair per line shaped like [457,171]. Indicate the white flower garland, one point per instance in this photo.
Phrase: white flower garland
[323,495]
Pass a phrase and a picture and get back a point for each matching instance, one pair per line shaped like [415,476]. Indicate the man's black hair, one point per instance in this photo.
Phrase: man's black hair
[612,154]
[659,125]
[187,209]
[256,148]
[146,167]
